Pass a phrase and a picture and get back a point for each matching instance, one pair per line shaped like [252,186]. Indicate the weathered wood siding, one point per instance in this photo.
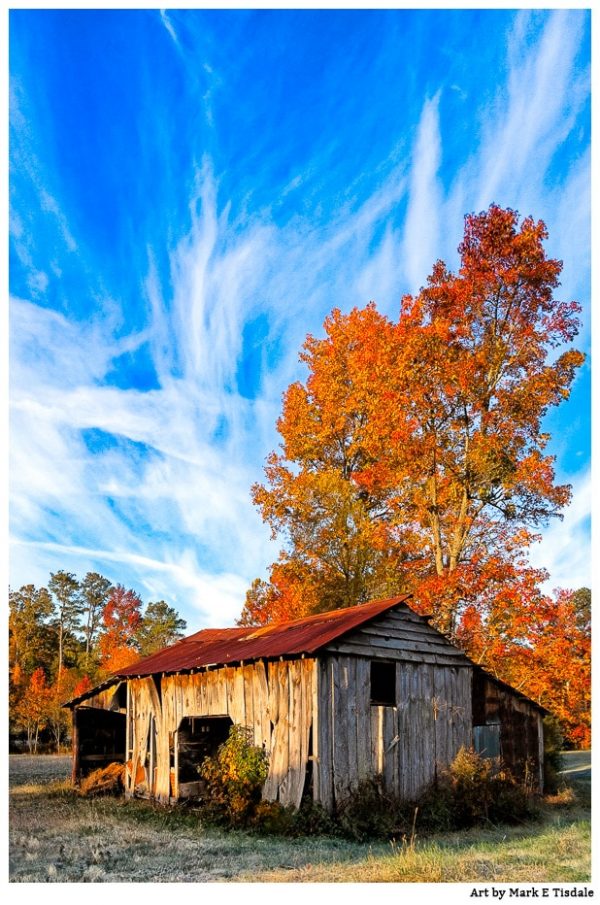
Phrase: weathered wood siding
[520,721]
[274,699]
[107,699]
[403,745]
[319,713]
[401,635]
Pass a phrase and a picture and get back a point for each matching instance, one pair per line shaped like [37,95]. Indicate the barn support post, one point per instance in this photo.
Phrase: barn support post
[540,728]
[75,746]
[129,780]
[316,747]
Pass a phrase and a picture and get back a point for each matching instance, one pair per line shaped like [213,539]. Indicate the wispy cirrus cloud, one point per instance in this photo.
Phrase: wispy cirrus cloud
[423,221]
[166,21]
[536,110]
[151,484]
[200,435]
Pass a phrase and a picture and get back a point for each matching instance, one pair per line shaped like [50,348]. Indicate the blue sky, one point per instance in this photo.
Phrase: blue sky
[191,193]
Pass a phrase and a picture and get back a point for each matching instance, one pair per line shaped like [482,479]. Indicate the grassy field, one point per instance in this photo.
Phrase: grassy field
[57,836]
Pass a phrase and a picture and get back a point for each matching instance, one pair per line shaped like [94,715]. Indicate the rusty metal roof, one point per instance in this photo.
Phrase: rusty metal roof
[218,647]
[222,646]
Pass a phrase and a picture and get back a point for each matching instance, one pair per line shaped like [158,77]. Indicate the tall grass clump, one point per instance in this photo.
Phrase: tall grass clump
[473,791]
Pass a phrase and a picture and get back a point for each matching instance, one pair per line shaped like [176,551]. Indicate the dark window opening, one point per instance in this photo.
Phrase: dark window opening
[122,696]
[486,740]
[197,738]
[383,683]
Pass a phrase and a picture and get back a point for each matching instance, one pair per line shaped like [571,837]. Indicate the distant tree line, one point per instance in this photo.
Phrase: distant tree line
[67,638]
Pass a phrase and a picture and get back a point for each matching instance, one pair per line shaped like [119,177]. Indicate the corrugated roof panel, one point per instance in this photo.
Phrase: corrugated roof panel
[217,647]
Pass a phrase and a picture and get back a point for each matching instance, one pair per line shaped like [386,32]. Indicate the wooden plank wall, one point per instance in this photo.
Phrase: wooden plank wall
[274,699]
[521,725]
[104,700]
[401,635]
[405,744]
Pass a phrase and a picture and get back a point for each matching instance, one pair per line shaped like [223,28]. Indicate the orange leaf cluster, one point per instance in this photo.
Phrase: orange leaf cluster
[121,618]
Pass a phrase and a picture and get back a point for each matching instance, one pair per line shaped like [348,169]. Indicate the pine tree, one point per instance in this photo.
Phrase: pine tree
[160,626]
[65,588]
[95,591]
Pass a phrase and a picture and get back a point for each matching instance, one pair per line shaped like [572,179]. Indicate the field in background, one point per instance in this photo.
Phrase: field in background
[57,836]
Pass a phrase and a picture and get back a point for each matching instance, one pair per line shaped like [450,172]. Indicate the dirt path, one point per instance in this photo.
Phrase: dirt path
[577,764]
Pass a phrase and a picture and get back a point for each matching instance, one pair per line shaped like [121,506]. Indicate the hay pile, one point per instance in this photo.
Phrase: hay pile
[108,780]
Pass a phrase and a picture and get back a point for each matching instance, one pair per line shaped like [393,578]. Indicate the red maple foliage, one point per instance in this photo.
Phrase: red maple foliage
[82,686]
[121,618]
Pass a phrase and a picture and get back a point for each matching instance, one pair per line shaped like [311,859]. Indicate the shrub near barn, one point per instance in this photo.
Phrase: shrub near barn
[234,778]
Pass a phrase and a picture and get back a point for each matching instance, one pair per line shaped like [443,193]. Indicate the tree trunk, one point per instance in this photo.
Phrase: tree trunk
[435,525]
[458,537]
[88,633]
[60,647]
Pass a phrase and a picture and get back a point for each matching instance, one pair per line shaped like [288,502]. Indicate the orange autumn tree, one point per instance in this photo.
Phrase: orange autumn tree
[413,456]
[32,708]
[59,718]
[478,350]
[121,619]
[343,545]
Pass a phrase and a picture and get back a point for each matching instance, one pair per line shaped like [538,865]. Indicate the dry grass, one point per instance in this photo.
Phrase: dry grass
[110,779]
[559,854]
[58,836]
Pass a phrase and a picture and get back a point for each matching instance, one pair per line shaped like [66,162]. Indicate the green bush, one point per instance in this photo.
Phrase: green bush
[435,809]
[553,744]
[312,819]
[367,812]
[512,802]
[471,791]
[234,779]
[470,780]
[270,818]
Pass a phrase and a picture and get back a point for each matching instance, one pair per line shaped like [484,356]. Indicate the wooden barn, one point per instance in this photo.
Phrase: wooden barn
[369,691]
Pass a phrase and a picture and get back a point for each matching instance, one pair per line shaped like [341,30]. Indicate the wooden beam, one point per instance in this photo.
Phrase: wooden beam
[405,630]
[75,743]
